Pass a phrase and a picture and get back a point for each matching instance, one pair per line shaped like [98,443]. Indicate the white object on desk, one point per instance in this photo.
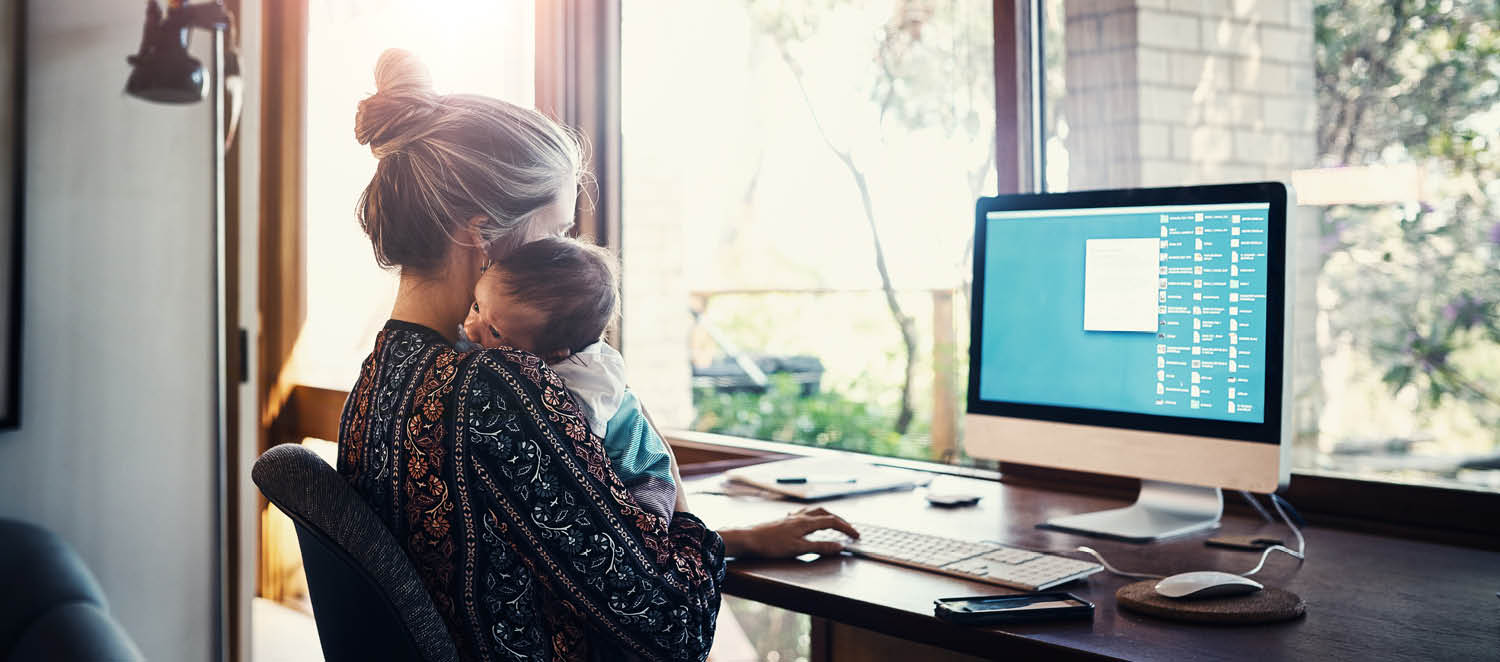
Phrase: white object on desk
[978,561]
[854,478]
[1206,584]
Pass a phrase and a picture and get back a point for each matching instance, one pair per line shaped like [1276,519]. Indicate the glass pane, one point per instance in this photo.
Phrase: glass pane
[798,193]
[1382,115]
[474,46]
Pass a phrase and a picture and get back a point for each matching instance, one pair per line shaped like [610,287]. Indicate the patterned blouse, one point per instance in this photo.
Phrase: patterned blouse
[528,543]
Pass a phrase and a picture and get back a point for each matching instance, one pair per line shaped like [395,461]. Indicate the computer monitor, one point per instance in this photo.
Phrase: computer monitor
[1137,333]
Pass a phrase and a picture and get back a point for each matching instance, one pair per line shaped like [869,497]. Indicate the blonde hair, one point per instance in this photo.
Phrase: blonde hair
[445,159]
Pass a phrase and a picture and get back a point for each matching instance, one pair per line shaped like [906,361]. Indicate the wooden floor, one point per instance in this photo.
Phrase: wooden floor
[279,633]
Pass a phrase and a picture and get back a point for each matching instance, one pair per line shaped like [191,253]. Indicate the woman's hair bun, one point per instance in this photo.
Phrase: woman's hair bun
[402,109]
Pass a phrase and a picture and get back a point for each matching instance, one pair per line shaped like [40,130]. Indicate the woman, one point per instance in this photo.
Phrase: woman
[479,462]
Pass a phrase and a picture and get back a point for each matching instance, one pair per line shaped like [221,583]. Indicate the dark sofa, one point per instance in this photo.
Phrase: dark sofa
[51,607]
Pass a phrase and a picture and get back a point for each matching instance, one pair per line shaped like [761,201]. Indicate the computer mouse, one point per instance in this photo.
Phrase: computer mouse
[1205,584]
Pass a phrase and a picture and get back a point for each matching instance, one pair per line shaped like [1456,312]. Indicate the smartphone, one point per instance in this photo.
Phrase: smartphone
[993,609]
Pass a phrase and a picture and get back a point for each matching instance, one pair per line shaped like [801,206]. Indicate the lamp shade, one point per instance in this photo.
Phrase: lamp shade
[162,70]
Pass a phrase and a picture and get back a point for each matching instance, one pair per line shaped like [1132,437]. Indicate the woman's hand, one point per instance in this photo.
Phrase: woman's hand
[787,537]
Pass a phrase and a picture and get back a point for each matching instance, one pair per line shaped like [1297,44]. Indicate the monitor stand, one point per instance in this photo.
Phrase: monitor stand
[1161,511]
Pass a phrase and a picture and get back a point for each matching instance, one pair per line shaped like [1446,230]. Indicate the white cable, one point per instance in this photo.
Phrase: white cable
[1300,553]
[1138,575]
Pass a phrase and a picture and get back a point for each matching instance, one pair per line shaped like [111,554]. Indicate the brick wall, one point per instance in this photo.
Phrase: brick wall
[1173,92]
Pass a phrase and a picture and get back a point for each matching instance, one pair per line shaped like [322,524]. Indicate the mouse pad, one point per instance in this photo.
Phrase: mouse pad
[1268,605]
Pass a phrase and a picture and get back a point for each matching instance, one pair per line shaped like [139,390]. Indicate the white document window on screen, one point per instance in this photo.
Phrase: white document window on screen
[1120,284]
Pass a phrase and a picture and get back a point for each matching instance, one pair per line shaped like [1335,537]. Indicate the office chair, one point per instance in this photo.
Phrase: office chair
[367,598]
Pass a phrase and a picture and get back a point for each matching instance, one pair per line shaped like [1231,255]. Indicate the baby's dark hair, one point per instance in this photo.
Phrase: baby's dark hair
[573,283]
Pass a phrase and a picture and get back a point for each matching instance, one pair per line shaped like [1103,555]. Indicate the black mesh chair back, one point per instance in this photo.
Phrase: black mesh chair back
[367,598]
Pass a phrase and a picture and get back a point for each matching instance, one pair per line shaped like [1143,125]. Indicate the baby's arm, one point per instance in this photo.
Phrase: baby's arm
[682,505]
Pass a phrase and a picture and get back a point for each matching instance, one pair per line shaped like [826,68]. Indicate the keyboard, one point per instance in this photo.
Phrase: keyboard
[978,561]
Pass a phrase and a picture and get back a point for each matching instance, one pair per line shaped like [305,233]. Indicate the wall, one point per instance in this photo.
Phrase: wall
[115,450]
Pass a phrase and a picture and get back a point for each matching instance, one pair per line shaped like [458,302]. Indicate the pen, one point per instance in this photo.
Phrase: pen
[800,480]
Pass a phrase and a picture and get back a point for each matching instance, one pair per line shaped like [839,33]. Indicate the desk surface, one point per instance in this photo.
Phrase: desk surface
[1368,597]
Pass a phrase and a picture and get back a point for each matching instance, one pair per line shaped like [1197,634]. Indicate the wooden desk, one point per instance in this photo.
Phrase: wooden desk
[1368,597]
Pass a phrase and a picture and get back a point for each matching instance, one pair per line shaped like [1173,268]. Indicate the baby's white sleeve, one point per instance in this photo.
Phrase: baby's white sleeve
[596,376]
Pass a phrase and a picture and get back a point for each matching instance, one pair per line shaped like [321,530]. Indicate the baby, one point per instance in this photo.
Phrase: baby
[554,298]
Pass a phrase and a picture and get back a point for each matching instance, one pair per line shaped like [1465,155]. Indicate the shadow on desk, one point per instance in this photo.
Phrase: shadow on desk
[1368,597]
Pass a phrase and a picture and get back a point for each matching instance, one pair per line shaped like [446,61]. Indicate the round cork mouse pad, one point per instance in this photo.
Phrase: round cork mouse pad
[1268,605]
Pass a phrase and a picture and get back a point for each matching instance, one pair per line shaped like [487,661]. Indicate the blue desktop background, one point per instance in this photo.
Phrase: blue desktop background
[1034,348]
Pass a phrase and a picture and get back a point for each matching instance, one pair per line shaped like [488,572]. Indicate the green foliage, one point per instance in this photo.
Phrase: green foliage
[1416,288]
[828,419]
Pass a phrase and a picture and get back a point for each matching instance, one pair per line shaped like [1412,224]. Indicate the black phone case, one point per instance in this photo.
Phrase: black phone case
[941,611]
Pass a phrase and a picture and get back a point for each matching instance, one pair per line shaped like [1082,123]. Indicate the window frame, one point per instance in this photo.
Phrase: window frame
[588,32]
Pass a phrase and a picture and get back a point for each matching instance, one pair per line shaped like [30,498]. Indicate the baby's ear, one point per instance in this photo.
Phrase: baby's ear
[557,356]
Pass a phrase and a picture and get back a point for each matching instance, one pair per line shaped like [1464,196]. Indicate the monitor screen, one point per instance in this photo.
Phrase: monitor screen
[1154,309]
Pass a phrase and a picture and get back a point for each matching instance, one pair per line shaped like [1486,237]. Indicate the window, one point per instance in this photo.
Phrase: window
[472,46]
[1382,115]
[797,201]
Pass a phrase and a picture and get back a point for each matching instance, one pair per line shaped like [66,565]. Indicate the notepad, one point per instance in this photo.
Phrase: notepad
[827,478]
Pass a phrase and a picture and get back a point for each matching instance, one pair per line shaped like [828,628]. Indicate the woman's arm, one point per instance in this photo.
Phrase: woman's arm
[787,537]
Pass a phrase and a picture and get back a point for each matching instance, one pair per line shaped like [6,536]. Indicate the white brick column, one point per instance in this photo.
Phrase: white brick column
[1174,92]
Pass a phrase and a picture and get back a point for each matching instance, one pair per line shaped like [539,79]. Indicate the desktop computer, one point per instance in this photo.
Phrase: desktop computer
[1138,333]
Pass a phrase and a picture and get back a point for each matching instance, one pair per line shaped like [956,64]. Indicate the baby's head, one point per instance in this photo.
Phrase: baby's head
[551,297]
